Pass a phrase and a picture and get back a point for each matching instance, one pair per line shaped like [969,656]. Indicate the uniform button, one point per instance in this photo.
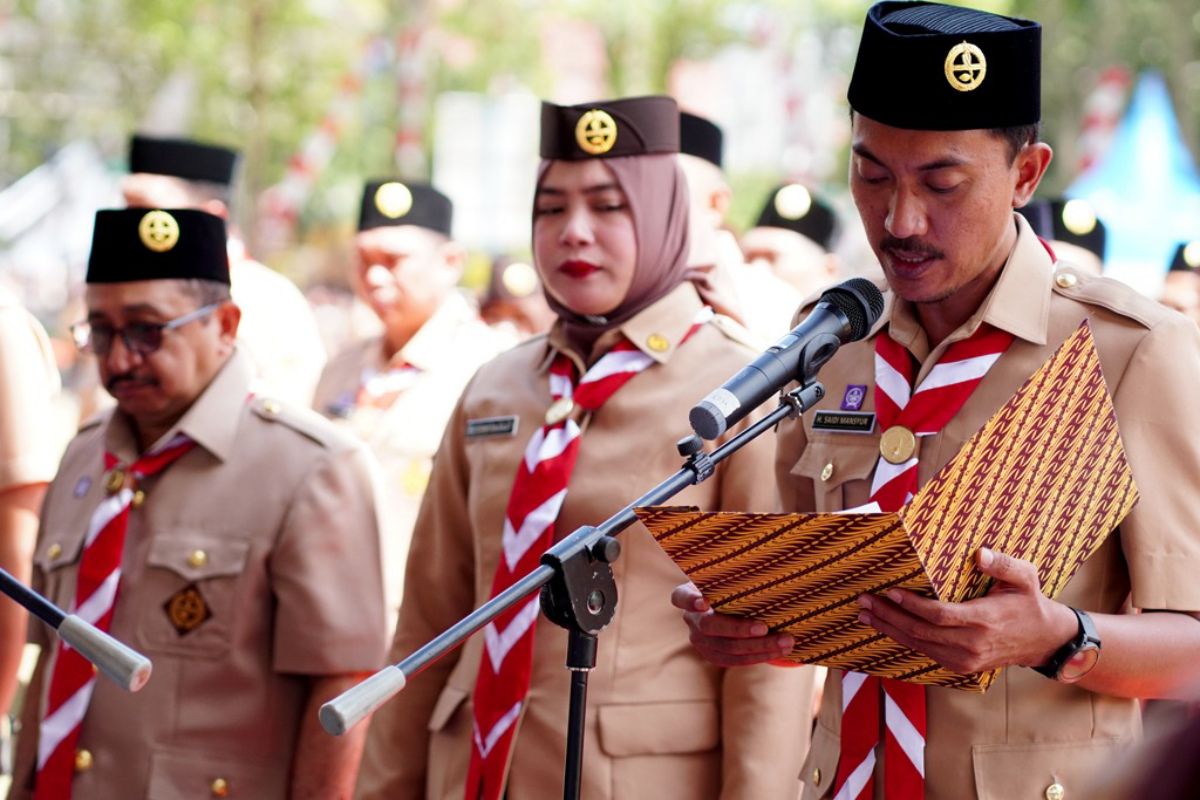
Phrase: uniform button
[197,558]
[139,497]
[1055,791]
[1065,280]
[816,776]
[83,760]
[54,551]
[827,472]
[219,788]
[658,343]
[270,407]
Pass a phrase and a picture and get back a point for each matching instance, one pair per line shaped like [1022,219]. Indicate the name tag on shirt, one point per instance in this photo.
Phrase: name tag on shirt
[492,426]
[844,421]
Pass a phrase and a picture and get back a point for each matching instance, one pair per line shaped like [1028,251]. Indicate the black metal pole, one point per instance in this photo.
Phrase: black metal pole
[581,660]
[37,605]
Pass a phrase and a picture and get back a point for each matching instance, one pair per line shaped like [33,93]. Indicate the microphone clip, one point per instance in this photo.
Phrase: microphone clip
[802,397]
[698,461]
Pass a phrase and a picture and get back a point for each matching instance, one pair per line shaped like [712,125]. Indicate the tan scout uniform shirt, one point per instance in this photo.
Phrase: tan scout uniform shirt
[1028,732]
[404,434]
[271,518]
[661,722]
[29,381]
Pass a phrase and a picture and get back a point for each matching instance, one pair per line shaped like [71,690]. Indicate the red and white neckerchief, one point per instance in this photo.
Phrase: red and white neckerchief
[99,578]
[924,412]
[380,388]
[538,493]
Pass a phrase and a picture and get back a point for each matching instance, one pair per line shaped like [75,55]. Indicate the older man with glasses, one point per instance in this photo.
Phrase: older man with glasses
[231,538]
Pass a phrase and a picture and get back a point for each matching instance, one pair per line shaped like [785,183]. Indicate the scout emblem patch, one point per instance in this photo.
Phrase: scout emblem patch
[158,231]
[187,609]
[596,132]
[853,399]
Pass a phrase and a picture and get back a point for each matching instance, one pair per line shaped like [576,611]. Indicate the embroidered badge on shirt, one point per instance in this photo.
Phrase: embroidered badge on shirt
[492,426]
[853,399]
[844,421]
[82,485]
[187,610]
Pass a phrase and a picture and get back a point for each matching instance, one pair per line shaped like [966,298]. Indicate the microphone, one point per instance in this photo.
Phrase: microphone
[844,313]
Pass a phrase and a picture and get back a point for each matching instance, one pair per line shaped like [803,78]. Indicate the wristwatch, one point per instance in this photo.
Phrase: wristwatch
[1077,657]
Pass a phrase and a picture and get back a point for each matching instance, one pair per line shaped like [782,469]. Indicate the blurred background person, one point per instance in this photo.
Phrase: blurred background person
[760,301]
[396,390]
[1071,228]
[1181,289]
[29,450]
[513,302]
[794,239]
[278,330]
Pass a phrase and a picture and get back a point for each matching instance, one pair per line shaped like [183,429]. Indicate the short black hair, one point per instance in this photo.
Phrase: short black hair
[203,191]
[1017,137]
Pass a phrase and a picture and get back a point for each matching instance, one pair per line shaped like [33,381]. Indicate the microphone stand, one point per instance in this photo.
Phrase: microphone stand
[126,667]
[578,592]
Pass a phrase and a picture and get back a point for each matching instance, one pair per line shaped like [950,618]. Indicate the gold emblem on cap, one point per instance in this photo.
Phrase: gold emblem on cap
[596,132]
[1078,217]
[897,445]
[158,231]
[966,67]
[559,410]
[519,279]
[393,200]
[793,201]
[1191,254]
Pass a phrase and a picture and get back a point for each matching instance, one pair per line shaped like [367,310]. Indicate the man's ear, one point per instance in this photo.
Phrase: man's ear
[1030,165]
[454,257]
[229,317]
[719,200]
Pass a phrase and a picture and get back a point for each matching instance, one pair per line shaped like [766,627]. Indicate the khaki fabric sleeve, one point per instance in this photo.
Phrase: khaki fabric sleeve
[439,589]
[766,711]
[326,576]
[1156,405]
[28,382]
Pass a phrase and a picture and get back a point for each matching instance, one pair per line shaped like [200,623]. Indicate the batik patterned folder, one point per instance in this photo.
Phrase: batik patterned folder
[1045,480]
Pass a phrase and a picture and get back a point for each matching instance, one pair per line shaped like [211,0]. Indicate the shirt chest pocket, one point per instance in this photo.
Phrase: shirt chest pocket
[840,470]
[57,564]
[190,594]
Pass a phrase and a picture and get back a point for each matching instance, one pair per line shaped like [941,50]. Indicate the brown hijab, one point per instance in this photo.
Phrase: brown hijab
[657,193]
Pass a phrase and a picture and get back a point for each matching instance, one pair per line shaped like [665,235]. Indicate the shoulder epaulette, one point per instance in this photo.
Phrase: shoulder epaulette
[1109,294]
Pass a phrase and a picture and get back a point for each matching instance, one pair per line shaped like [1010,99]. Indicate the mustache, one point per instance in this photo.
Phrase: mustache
[128,377]
[911,245]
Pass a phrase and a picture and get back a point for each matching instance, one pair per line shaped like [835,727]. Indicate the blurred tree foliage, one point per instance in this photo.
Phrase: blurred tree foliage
[261,74]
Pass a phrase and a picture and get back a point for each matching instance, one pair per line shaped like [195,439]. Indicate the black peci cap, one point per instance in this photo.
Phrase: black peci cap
[1071,221]
[144,244]
[182,158]
[1187,258]
[793,207]
[701,138]
[927,66]
[633,126]
[390,201]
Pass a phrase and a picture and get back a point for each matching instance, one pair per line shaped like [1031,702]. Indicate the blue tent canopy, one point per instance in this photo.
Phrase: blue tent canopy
[1145,188]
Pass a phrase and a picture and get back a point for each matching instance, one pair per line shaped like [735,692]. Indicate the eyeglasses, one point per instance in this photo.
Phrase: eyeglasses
[142,338]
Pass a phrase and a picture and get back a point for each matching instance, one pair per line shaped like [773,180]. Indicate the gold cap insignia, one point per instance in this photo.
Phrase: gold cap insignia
[965,67]
[158,231]
[187,610]
[793,201]
[519,279]
[1191,254]
[596,132]
[1078,217]
[393,200]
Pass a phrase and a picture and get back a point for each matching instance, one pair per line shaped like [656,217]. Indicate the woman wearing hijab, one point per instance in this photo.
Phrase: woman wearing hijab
[561,432]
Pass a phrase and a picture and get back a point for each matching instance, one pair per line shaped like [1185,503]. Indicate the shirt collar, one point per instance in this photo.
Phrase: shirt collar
[1019,302]
[211,422]
[656,330]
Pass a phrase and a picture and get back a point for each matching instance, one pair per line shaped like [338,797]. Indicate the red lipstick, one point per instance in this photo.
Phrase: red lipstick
[576,268]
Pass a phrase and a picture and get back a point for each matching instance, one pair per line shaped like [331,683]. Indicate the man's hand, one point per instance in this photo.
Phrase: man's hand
[1013,624]
[724,640]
